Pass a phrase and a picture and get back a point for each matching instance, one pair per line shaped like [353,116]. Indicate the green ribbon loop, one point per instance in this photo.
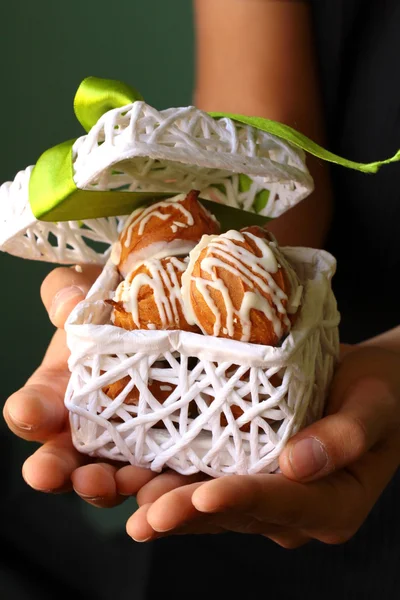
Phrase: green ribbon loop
[301,141]
[53,195]
[96,96]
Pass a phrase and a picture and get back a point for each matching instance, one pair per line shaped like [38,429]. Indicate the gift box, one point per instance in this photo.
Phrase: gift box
[201,403]
[277,389]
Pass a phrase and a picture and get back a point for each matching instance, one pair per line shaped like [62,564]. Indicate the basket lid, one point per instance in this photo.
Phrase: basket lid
[249,169]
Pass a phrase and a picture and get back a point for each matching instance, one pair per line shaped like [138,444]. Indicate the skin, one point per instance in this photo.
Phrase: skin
[360,436]
[360,433]
[261,62]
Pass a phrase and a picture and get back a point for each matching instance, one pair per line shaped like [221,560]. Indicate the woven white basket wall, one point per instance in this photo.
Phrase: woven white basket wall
[137,148]
[278,390]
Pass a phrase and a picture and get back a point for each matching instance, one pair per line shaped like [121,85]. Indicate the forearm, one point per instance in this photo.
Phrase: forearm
[256,57]
[389,340]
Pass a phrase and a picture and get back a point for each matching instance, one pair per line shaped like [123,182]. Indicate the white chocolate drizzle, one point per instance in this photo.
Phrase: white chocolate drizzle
[116,251]
[157,250]
[262,294]
[171,209]
[142,216]
[166,287]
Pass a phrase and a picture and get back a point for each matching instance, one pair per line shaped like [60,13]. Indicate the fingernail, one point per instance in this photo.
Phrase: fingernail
[35,409]
[25,478]
[165,530]
[308,457]
[38,489]
[89,498]
[65,295]
[20,424]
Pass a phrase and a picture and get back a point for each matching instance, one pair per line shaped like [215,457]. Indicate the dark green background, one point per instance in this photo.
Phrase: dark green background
[46,49]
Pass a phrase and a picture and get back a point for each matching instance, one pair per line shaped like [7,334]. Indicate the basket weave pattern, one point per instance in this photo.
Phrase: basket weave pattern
[232,406]
[67,242]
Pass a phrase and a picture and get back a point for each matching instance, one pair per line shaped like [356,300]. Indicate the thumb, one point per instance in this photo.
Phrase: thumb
[368,411]
[64,288]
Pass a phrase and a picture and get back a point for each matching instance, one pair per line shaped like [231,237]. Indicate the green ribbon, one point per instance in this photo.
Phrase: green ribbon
[53,195]
[301,141]
[96,96]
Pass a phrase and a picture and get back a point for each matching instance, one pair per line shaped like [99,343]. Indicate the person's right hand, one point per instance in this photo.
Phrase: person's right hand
[37,412]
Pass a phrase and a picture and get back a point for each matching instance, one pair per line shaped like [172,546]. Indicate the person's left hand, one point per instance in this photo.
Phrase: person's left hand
[333,472]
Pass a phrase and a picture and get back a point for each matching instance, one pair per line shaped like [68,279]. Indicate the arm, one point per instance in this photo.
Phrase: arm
[256,57]
[389,340]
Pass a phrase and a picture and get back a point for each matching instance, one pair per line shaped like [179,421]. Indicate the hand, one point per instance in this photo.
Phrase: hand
[333,472]
[37,412]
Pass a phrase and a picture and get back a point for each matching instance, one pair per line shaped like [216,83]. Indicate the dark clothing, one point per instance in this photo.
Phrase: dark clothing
[358,47]
[358,44]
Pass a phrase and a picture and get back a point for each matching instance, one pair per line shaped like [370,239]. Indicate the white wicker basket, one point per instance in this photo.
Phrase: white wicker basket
[278,390]
[213,373]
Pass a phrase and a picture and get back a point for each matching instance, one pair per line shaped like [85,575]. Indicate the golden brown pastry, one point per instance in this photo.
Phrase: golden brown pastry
[236,287]
[259,232]
[150,297]
[160,390]
[168,228]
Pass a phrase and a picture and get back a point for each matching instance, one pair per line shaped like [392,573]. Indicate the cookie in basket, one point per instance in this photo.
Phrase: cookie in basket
[150,296]
[168,228]
[236,286]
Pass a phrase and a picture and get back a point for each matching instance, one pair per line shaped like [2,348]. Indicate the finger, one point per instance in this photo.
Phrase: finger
[129,480]
[200,526]
[173,509]
[276,500]
[137,526]
[376,468]
[368,412]
[371,474]
[140,530]
[56,357]
[96,485]
[64,288]
[164,483]
[290,540]
[50,468]
[37,411]
[175,514]
[34,414]
[330,509]
[191,521]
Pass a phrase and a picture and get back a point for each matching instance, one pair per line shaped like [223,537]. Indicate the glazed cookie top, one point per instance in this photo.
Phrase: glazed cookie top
[237,287]
[150,297]
[168,228]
